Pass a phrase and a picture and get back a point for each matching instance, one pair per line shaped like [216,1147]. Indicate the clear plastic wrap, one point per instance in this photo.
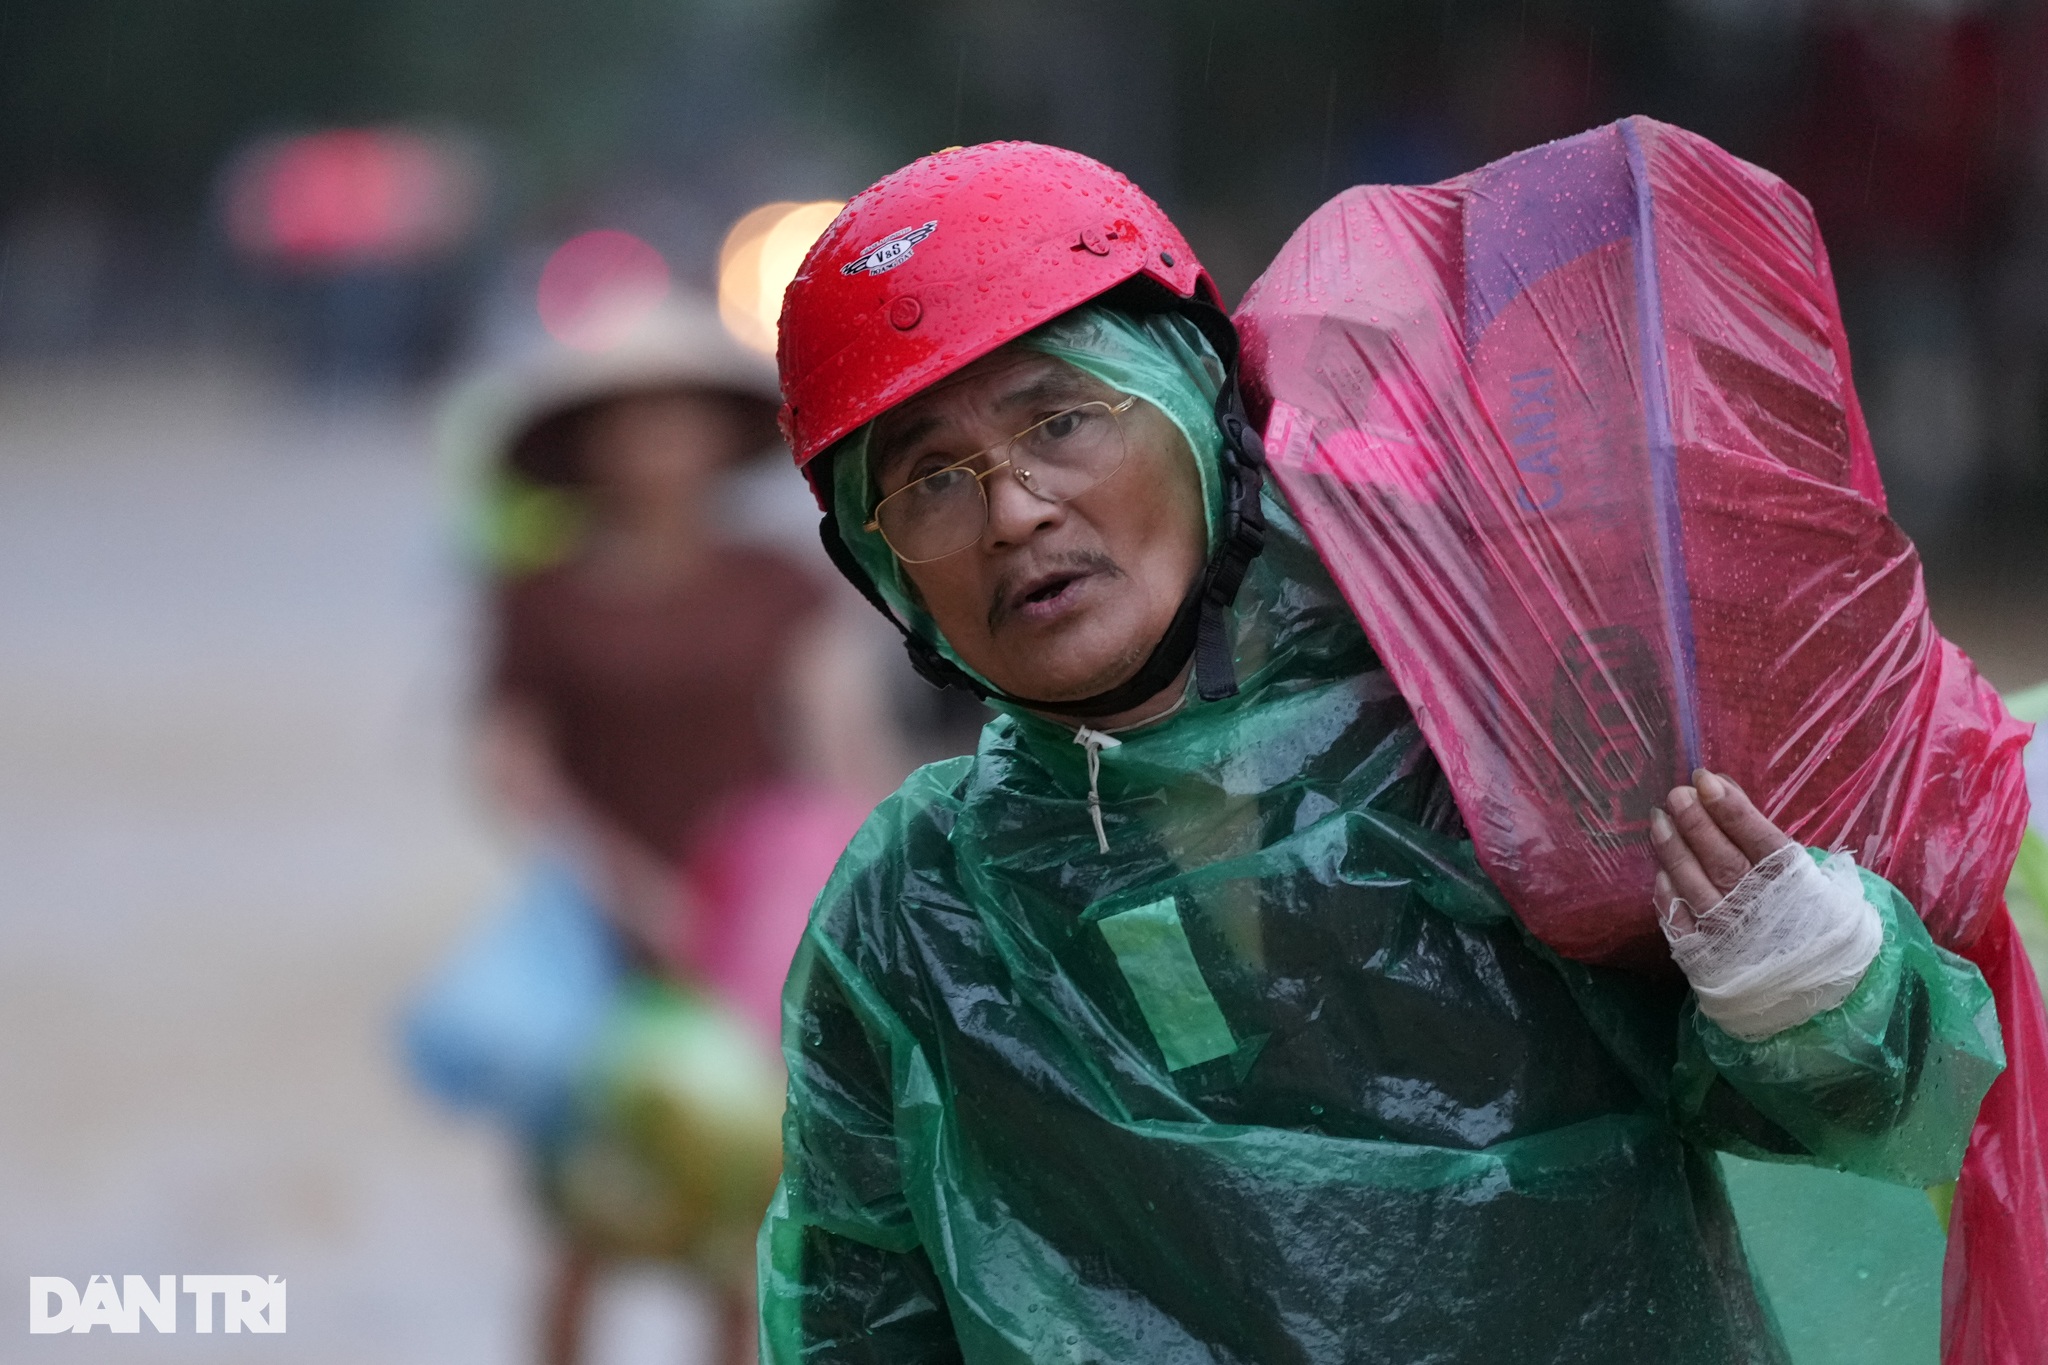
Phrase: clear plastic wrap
[1575,434]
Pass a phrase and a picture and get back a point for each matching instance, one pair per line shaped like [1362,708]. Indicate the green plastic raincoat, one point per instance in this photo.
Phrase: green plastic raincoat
[1279,1077]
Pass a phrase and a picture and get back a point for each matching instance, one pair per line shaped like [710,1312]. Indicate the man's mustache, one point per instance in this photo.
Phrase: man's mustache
[1071,563]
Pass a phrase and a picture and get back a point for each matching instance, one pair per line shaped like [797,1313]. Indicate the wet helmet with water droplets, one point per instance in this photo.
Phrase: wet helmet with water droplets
[931,268]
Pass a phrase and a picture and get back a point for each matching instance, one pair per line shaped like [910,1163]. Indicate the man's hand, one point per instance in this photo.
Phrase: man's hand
[1706,836]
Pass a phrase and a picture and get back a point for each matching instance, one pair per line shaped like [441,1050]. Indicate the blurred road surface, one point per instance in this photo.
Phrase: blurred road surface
[234,831]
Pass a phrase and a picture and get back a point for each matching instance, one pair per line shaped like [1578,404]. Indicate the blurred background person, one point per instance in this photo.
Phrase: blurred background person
[687,738]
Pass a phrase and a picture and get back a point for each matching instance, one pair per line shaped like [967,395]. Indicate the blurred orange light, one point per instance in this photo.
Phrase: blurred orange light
[597,287]
[759,259]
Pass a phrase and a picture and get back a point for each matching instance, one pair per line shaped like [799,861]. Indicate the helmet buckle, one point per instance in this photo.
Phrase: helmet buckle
[904,312]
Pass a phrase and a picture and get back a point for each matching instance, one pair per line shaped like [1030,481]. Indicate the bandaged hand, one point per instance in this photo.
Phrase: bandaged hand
[1767,938]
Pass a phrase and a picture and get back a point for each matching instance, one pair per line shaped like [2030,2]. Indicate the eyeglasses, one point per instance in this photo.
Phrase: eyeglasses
[1057,459]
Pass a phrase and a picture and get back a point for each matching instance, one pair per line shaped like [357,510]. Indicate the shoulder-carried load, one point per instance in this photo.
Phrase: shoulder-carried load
[1575,435]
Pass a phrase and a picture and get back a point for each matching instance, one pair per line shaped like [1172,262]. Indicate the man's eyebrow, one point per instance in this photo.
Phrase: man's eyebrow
[894,443]
[1061,383]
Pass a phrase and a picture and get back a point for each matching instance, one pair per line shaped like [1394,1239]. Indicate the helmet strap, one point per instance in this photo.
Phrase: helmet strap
[1200,628]
[934,667]
[1244,537]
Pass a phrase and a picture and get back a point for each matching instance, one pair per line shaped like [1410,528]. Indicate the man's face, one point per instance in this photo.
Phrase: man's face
[1056,600]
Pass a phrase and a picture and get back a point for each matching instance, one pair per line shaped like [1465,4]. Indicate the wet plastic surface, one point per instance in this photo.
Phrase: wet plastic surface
[1851,1267]
[1575,434]
[1280,1078]
[1995,1282]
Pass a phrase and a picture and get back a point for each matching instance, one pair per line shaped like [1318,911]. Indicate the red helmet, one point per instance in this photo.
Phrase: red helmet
[931,268]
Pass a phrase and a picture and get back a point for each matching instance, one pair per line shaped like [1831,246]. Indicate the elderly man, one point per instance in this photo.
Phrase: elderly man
[1178,1023]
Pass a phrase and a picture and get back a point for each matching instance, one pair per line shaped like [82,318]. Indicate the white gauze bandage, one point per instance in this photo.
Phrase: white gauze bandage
[1790,940]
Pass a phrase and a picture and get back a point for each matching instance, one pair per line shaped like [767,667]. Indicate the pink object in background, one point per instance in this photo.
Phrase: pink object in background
[597,287]
[1576,437]
[345,197]
[754,871]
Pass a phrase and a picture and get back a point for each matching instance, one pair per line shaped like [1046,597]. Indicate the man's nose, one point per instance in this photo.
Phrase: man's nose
[1015,513]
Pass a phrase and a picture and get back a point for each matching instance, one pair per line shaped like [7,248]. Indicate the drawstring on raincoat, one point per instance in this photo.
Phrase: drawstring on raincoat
[1095,741]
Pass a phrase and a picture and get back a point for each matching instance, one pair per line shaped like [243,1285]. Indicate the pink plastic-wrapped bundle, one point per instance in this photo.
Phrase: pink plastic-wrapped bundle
[1576,437]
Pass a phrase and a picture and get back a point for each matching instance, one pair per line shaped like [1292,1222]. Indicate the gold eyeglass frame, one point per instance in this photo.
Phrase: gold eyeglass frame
[874,521]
